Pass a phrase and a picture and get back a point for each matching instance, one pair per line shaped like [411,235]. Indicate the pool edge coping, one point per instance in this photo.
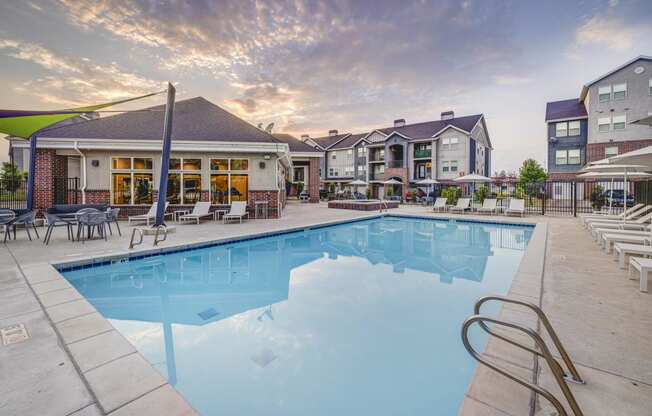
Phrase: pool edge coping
[49,272]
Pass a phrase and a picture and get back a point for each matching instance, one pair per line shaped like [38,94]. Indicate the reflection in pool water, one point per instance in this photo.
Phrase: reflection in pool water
[360,318]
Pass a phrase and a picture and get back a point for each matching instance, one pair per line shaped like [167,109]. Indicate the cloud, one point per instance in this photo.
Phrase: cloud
[614,33]
[511,80]
[72,80]
[319,65]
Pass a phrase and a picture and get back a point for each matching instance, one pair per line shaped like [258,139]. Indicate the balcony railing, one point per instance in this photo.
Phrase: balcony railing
[423,153]
[376,157]
[377,176]
[394,164]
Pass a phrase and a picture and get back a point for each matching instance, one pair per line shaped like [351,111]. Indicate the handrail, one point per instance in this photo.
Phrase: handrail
[545,353]
[575,375]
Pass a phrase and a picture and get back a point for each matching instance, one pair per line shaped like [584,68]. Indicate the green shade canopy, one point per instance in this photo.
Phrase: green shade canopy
[24,123]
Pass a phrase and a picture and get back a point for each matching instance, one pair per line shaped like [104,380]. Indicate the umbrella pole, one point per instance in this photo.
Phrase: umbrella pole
[611,196]
[625,196]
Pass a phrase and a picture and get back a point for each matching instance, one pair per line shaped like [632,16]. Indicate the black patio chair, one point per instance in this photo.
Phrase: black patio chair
[112,217]
[91,221]
[56,221]
[26,219]
[6,215]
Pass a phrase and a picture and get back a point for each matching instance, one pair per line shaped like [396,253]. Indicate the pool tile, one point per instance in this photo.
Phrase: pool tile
[76,329]
[69,310]
[60,296]
[50,286]
[99,349]
[123,380]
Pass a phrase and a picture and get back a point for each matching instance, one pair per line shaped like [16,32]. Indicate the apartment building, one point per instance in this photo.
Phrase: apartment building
[597,124]
[441,149]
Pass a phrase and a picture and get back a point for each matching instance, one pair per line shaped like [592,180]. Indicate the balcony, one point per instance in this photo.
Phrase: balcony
[425,153]
[376,157]
[377,176]
[394,164]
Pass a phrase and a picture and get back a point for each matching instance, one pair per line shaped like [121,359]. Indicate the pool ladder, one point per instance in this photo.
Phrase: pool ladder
[561,377]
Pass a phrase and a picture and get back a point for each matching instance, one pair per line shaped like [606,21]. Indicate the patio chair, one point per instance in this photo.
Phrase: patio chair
[92,221]
[516,206]
[644,266]
[150,216]
[617,218]
[489,205]
[56,221]
[637,224]
[462,205]
[440,204]
[304,196]
[112,215]
[199,211]
[624,251]
[621,215]
[238,211]
[26,219]
[6,215]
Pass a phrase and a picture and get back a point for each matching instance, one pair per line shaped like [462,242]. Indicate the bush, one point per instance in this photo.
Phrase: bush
[481,194]
[452,194]
[597,197]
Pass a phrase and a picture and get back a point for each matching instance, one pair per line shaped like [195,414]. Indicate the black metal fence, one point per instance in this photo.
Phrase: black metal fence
[66,191]
[559,197]
[13,193]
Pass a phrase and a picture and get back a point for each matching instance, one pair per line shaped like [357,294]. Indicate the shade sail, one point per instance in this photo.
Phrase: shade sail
[24,123]
[614,175]
[641,156]
[614,167]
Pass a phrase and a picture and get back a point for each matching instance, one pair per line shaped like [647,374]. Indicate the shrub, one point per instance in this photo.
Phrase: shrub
[597,197]
[452,194]
[480,194]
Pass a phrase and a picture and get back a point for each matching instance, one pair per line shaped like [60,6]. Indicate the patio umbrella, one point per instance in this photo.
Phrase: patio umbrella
[472,178]
[612,176]
[428,182]
[614,168]
[356,183]
[392,181]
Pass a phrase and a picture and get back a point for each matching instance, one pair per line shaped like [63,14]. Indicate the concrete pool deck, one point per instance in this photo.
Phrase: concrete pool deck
[62,369]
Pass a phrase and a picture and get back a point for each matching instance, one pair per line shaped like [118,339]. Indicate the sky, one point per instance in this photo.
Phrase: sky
[312,66]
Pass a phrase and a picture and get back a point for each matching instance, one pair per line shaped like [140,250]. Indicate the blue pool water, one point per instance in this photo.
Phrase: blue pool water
[356,319]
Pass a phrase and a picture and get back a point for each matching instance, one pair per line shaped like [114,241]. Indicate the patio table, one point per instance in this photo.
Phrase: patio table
[217,212]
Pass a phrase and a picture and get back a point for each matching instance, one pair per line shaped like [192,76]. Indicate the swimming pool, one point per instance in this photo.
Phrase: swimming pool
[358,318]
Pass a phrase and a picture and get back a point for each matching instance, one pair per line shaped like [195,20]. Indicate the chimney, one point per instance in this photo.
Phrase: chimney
[399,122]
[304,137]
[447,115]
[332,133]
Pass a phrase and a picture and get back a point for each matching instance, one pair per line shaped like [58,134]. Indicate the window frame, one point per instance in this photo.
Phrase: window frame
[565,129]
[614,92]
[564,152]
[579,128]
[600,94]
[131,172]
[622,123]
[608,124]
[571,158]
[606,154]
[229,173]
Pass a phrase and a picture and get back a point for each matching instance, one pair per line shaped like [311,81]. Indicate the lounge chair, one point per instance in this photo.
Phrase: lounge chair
[238,212]
[608,240]
[440,204]
[516,206]
[489,205]
[618,218]
[640,224]
[623,251]
[151,214]
[599,232]
[644,266]
[462,205]
[199,211]
[621,215]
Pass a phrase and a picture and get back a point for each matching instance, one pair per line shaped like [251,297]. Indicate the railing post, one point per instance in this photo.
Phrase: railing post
[543,198]
[574,189]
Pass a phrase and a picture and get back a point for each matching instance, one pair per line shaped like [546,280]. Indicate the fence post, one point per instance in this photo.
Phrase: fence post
[574,188]
[544,188]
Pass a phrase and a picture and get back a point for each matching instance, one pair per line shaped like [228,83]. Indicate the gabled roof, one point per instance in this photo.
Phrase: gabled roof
[585,88]
[296,145]
[429,128]
[194,119]
[327,141]
[348,141]
[565,109]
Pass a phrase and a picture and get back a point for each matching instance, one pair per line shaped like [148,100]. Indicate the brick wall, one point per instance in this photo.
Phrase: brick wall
[400,173]
[44,179]
[595,151]
[270,196]
[313,179]
[558,176]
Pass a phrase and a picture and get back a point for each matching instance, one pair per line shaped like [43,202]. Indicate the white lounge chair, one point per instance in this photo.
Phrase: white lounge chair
[150,216]
[623,251]
[440,204]
[621,215]
[489,205]
[462,205]
[199,211]
[516,206]
[631,216]
[238,212]
[599,232]
[608,240]
[640,224]
[644,266]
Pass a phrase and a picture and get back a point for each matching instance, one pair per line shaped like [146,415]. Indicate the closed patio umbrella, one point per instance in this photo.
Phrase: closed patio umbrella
[472,178]
[392,181]
[612,176]
[356,183]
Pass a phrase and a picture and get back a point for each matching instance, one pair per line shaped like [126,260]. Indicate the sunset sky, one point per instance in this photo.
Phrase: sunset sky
[311,66]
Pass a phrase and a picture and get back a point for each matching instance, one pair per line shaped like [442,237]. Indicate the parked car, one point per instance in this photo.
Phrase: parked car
[615,198]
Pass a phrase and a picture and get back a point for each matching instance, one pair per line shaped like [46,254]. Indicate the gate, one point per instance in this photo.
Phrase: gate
[66,190]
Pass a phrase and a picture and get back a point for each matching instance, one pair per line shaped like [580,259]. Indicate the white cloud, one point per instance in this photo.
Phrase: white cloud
[611,32]
[511,80]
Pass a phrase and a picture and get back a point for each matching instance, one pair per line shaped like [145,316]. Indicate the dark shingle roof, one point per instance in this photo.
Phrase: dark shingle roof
[348,142]
[327,141]
[295,144]
[572,108]
[194,119]
[428,128]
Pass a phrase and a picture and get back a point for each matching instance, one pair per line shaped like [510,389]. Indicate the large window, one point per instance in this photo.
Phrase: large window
[561,157]
[568,157]
[604,124]
[230,181]
[184,181]
[574,157]
[567,128]
[574,128]
[561,129]
[131,181]
[610,151]
[449,143]
[449,166]
[604,93]
[620,91]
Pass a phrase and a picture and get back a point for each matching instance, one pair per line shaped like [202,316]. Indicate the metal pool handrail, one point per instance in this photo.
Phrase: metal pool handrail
[554,367]
[575,375]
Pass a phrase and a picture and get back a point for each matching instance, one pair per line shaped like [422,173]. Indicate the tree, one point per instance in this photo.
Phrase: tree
[11,177]
[531,172]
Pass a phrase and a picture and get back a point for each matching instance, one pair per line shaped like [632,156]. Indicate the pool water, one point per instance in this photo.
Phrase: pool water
[356,319]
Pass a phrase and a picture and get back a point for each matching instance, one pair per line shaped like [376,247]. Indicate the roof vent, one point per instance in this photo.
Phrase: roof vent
[304,137]
[332,133]
[399,122]
[447,115]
